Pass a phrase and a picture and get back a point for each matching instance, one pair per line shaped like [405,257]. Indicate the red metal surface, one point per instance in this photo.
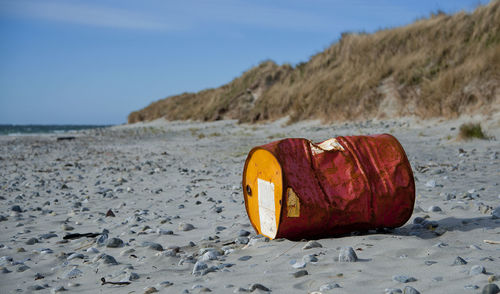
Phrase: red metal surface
[367,185]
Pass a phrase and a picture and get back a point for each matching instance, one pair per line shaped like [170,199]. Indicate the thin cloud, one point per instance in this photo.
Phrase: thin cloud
[83,14]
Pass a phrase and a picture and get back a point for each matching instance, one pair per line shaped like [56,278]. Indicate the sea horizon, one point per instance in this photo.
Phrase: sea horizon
[26,129]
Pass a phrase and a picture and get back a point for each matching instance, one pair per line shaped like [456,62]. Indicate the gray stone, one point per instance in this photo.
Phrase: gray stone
[490,289]
[347,254]
[300,273]
[329,286]
[312,244]
[495,214]
[403,279]
[153,246]
[393,291]
[471,287]
[210,255]
[244,258]
[22,268]
[75,255]
[48,236]
[16,208]
[108,259]
[257,286]
[165,284]
[114,243]
[459,261]
[199,266]
[476,270]
[58,289]
[74,273]
[434,208]
[243,233]
[35,288]
[242,240]
[309,258]
[299,264]
[185,227]
[410,290]
[31,241]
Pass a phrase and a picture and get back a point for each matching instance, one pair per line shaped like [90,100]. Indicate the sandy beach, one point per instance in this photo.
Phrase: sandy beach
[164,207]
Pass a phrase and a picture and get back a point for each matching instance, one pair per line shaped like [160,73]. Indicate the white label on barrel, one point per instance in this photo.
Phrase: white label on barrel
[267,209]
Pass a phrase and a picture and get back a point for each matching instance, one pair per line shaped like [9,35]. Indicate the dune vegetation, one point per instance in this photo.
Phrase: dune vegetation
[440,66]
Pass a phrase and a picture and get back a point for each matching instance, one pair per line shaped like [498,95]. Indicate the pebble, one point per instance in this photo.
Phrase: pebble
[242,240]
[76,255]
[48,236]
[312,244]
[328,286]
[210,255]
[74,273]
[403,279]
[67,227]
[185,227]
[434,208]
[165,284]
[300,273]
[31,241]
[114,243]
[198,267]
[309,258]
[431,184]
[471,287]
[459,261]
[164,232]
[495,214]
[410,290]
[393,291]
[257,286]
[490,289]
[244,258]
[153,246]
[347,254]
[150,290]
[476,270]
[108,259]
[58,289]
[243,233]
[299,264]
[16,208]
[22,268]
[92,250]
[35,288]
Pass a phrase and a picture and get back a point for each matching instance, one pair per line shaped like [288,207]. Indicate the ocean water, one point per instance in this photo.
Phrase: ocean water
[44,129]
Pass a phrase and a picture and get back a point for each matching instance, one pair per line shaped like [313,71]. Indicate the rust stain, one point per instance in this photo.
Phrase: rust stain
[292,204]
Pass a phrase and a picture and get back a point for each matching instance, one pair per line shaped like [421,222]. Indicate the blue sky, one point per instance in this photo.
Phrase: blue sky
[93,62]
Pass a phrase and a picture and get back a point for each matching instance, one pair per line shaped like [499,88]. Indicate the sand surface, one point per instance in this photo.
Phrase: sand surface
[161,177]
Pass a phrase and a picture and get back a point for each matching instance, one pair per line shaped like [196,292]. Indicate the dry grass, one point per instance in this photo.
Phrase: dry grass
[469,131]
[441,66]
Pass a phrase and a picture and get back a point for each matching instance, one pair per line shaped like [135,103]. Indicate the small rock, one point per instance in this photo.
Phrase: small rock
[16,208]
[476,270]
[393,291]
[495,214]
[410,290]
[329,286]
[471,287]
[164,232]
[243,233]
[67,227]
[431,184]
[490,289]
[309,258]
[76,255]
[403,279]
[31,241]
[459,261]
[35,288]
[108,259]
[244,258]
[347,254]
[165,284]
[22,268]
[198,267]
[110,213]
[58,289]
[434,209]
[150,290]
[299,264]
[74,273]
[300,273]
[48,236]
[185,227]
[153,246]
[312,244]
[256,286]
[210,255]
[242,240]
[114,243]
[92,250]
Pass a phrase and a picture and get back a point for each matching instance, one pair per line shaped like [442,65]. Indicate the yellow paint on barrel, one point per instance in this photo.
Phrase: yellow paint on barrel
[263,190]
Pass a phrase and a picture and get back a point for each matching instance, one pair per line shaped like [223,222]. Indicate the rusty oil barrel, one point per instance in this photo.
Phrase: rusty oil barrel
[297,189]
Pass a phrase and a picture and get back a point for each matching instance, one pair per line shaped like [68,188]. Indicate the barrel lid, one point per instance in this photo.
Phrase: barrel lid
[263,191]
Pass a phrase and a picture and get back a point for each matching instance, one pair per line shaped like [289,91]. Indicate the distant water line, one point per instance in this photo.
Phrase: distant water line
[44,129]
